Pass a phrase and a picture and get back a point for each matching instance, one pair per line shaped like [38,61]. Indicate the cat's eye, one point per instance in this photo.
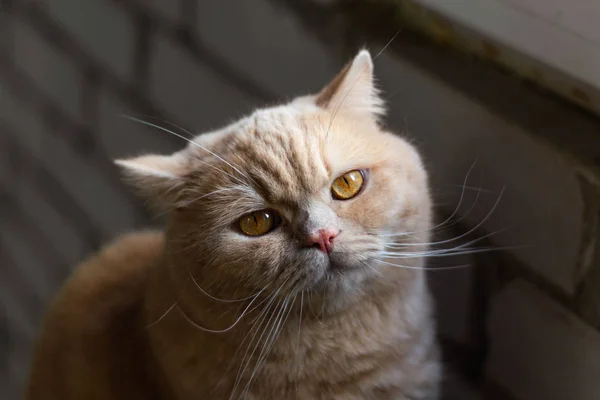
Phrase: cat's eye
[259,223]
[348,185]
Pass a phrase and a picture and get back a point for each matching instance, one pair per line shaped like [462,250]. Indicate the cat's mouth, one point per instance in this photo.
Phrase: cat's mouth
[341,262]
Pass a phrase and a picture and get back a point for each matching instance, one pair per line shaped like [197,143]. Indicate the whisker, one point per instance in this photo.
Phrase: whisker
[451,253]
[387,45]
[243,363]
[448,219]
[339,106]
[374,269]
[276,315]
[217,330]
[162,316]
[235,178]
[476,227]
[187,204]
[443,251]
[209,194]
[164,121]
[475,189]
[270,344]
[298,341]
[224,300]
[300,319]
[400,245]
[192,142]
[425,268]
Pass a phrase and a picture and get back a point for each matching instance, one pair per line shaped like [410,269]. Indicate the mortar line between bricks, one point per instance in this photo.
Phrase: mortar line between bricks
[142,51]
[52,189]
[480,293]
[18,212]
[189,10]
[589,232]
[203,54]
[100,161]
[7,40]
[89,97]
[510,267]
[62,41]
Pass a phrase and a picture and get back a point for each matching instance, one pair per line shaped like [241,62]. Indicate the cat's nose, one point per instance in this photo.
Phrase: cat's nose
[323,239]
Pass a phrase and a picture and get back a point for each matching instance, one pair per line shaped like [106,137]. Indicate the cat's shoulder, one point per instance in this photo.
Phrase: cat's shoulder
[115,277]
[93,330]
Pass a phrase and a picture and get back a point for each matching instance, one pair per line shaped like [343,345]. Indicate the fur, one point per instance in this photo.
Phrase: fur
[202,311]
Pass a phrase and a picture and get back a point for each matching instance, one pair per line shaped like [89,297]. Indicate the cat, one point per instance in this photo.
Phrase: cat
[291,267]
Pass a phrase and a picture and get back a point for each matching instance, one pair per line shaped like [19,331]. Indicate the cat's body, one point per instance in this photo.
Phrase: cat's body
[314,307]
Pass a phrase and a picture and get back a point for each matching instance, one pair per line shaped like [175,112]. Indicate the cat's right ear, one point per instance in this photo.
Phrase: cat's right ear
[353,90]
[158,179]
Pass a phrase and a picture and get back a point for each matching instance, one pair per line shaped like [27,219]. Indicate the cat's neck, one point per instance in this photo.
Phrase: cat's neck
[173,290]
[179,317]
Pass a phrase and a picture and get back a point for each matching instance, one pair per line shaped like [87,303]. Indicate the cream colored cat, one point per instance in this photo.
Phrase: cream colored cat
[271,279]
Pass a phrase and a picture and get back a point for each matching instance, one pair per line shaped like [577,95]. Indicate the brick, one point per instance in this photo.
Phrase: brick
[51,71]
[191,92]
[100,28]
[540,350]
[6,173]
[19,121]
[121,137]
[29,274]
[542,206]
[270,47]
[99,193]
[18,358]
[452,290]
[170,10]
[6,36]
[18,361]
[67,242]
[588,300]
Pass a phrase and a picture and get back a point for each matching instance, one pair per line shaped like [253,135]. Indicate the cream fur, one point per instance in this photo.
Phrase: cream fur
[347,326]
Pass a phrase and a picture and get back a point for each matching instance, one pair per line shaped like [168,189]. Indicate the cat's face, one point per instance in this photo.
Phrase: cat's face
[302,196]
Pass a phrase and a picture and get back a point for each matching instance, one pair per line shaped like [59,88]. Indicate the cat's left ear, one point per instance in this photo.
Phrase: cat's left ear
[353,90]
[157,178]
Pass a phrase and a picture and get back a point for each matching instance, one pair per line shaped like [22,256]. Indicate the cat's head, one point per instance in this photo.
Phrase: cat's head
[306,195]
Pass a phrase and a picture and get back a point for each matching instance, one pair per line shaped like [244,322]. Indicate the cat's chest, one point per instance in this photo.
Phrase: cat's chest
[312,366]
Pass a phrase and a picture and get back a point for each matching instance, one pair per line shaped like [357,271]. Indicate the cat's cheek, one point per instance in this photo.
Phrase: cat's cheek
[374,210]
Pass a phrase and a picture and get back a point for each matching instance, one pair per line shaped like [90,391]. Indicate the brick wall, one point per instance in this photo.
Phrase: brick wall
[522,321]
[68,71]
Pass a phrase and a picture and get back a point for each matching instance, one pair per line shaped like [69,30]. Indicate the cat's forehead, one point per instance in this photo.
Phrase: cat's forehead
[292,153]
[283,152]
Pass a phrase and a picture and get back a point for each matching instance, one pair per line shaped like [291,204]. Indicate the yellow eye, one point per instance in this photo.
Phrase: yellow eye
[259,223]
[348,185]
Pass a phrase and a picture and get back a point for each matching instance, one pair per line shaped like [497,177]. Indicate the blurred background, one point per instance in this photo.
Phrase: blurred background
[501,97]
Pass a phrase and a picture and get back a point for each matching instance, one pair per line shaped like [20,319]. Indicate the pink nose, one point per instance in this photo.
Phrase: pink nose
[323,239]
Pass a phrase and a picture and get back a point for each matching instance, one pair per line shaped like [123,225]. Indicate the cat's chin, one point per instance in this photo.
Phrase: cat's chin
[344,271]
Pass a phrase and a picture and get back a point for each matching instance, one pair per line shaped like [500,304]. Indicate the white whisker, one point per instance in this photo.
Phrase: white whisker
[401,245]
[218,330]
[269,344]
[192,142]
[444,224]
[244,364]
[224,300]
[276,315]
[424,268]
[162,316]
[450,252]
[263,319]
